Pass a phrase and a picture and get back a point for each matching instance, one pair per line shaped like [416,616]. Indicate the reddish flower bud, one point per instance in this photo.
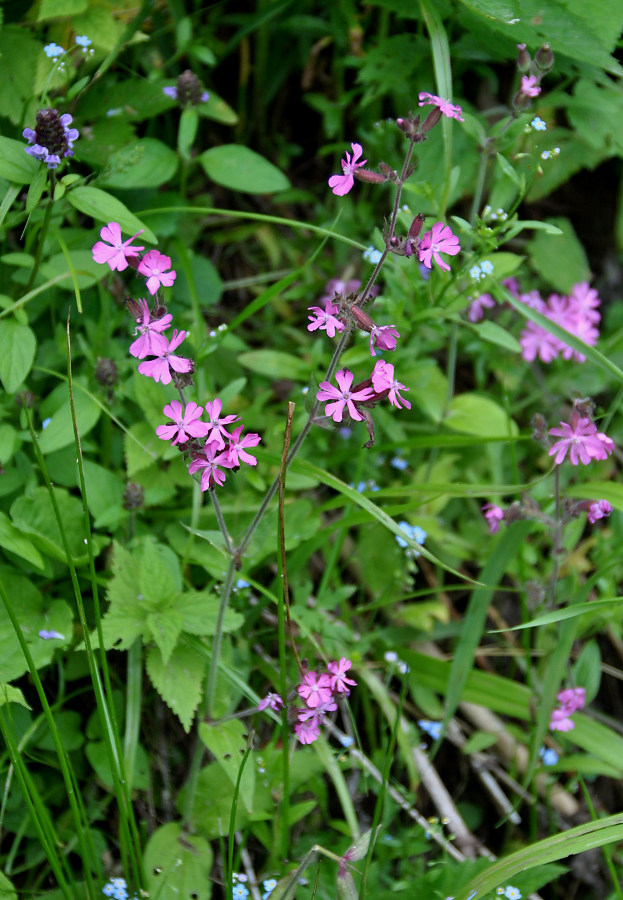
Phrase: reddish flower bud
[416,227]
[431,119]
[362,319]
[524,60]
[371,177]
[388,172]
[134,308]
[544,58]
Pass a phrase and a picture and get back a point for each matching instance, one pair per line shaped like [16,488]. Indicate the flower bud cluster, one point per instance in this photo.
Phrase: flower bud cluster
[532,72]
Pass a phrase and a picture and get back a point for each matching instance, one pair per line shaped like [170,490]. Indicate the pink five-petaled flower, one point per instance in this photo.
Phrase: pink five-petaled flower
[341,184]
[155,264]
[307,732]
[160,369]
[185,423]
[209,461]
[383,380]
[273,700]
[217,424]
[343,397]
[384,337]
[237,444]
[151,341]
[599,509]
[315,689]
[494,515]
[448,109]
[530,86]
[582,440]
[477,307]
[339,681]
[570,699]
[439,240]
[117,254]
[325,319]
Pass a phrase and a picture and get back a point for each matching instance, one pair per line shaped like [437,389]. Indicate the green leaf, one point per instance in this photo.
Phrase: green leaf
[199,612]
[178,864]
[55,9]
[180,681]
[59,432]
[187,130]
[13,540]
[495,334]
[103,207]
[34,515]
[97,754]
[36,188]
[227,741]
[17,352]
[567,612]
[511,172]
[147,162]
[560,259]
[7,891]
[165,628]
[10,694]
[600,490]
[472,414]
[215,108]
[9,442]
[15,164]
[19,51]
[275,364]
[241,169]
[587,669]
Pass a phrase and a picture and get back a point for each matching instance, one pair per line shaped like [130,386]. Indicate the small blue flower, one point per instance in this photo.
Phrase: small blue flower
[416,534]
[240,892]
[487,266]
[53,51]
[372,255]
[538,124]
[431,728]
[475,273]
[346,741]
[51,635]
[545,154]
[116,888]
[241,584]
[83,41]
[269,886]
[512,893]
[45,423]
[548,756]
[399,463]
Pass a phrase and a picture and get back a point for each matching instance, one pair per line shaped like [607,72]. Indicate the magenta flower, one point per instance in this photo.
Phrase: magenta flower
[339,286]
[494,515]
[584,301]
[325,319]
[237,445]
[343,396]
[307,732]
[439,240]
[315,689]
[211,461]
[154,264]
[570,699]
[342,184]
[383,380]
[477,307]
[530,86]
[185,423]
[581,440]
[151,341]
[273,700]
[217,432]
[116,255]
[536,341]
[600,509]
[384,337]
[447,108]
[160,369]
[560,721]
[339,681]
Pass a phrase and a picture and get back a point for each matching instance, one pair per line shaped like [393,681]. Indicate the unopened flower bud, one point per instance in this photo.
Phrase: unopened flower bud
[524,60]
[362,319]
[521,101]
[544,58]
[431,119]
[371,177]
[416,227]
[106,371]
[409,126]
[134,308]
[388,172]
[133,496]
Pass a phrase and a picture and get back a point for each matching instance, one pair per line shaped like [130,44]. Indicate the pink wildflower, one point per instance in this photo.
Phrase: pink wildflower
[273,700]
[342,184]
[585,300]
[315,689]
[570,699]
[117,254]
[447,108]
[160,369]
[151,341]
[307,732]
[560,721]
[536,341]
[325,319]
[439,240]
[581,440]
[211,461]
[339,681]
[237,444]
[342,396]
[384,337]
[600,509]
[530,86]
[477,307]
[185,423]
[217,424]
[383,380]
[494,515]
[154,264]
[339,286]
[534,300]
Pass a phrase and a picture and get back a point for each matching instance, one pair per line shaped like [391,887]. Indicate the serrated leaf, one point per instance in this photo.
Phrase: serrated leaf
[199,612]
[241,169]
[165,628]
[17,352]
[103,207]
[180,681]
[178,864]
[227,741]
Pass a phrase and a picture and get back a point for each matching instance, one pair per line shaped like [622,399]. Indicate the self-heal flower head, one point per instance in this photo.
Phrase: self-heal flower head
[439,240]
[217,423]
[52,138]
[160,369]
[600,509]
[383,380]
[237,447]
[315,689]
[151,341]
[325,319]
[494,515]
[448,109]
[154,265]
[273,700]
[530,86]
[53,51]
[383,337]
[210,462]
[339,681]
[188,90]
[342,184]
[342,396]
[114,251]
[581,440]
[185,425]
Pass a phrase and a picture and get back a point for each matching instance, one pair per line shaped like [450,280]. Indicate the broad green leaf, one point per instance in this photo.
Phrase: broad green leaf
[36,188]
[7,891]
[212,804]
[165,628]
[587,669]
[199,612]
[15,164]
[187,130]
[236,167]
[54,9]
[97,754]
[180,681]
[215,108]
[59,431]
[611,491]
[495,334]
[147,162]
[103,207]
[10,694]
[19,50]
[475,414]
[34,515]
[9,442]
[227,741]
[13,540]
[559,259]
[17,352]
[178,864]
[275,364]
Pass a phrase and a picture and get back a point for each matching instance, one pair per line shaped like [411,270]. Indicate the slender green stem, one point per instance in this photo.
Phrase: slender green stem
[232,827]
[218,637]
[221,523]
[43,233]
[133,707]
[557,541]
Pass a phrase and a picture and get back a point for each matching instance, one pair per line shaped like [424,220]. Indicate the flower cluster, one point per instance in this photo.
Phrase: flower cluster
[380,385]
[581,440]
[188,90]
[570,701]
[510,892]
[494,515]
[116,888]
[52,139]
[577,313]
[532,72]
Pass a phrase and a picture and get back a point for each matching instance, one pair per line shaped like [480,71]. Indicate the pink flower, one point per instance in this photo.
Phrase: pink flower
[600,509]
[151,341]
[581,439]
[339,286]
[530,86]
[447,108]
[384,337]
[570,699]
[342,184]
[325,319]
[585,301]
[154,265]
[494,515]
[315,689]
[536,341]
[237,444]
[439,240]
[307,732]
[185,423]
[560,721]
[383,380]
[477,307]
[160,369]
[216,424]
[116,255]
[339,681]
[210,461]
[534,300]
[343,397]
[273,700]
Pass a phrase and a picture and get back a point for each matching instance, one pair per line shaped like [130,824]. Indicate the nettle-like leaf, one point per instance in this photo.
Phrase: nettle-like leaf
[178,864]
[178,681]
[227,741]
